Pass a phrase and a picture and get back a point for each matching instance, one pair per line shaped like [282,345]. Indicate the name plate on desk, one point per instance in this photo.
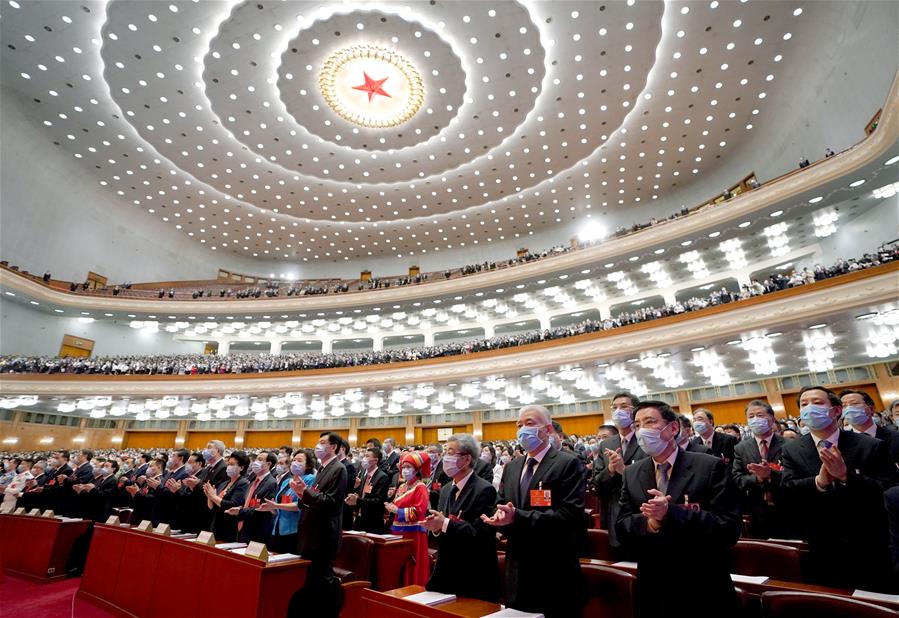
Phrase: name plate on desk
[163,529]
[19,511]
[257,550]
[49,513]
[145,526]
[113,520]
[34,512]
[205,538]
[6,510]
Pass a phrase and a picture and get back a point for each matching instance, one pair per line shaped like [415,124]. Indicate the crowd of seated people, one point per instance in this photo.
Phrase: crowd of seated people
[661,482]
[194,364]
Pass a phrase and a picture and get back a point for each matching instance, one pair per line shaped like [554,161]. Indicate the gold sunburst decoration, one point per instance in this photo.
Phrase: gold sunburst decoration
[371,86]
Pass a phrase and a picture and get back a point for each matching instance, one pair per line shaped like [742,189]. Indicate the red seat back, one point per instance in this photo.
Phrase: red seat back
[770,559]
[793,604]
[610,591]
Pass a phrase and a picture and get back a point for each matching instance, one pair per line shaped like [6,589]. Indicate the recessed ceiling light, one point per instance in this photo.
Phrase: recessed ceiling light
[815,200]
[777,213]
[699,349]
[857,183]
[745,224]
[891,160]
[817,326]
[866,316]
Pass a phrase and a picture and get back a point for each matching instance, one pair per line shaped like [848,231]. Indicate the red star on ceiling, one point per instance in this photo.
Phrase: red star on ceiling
[372,87]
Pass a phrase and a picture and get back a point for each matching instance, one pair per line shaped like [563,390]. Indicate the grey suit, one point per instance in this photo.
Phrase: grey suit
[608,485]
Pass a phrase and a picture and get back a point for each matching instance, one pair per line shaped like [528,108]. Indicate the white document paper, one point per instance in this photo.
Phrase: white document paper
[508,612]
[431,598]
[625,564]
[749,579]
[230,545]
[282,557]
[867,595]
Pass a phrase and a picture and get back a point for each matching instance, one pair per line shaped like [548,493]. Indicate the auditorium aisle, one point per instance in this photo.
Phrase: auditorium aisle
[20,597]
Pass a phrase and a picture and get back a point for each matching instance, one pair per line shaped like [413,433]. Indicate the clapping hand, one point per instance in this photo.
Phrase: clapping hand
[832,460]
[268,506]
[172,485]
[391,507]
[761,471]
[234,510]
[616,461]
[351,499]
[298,485]
[505,515]
[656,507]
[191,482]
[434,521]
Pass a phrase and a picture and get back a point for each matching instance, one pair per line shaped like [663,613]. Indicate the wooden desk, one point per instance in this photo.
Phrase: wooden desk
[141,574]
[38,548]
[772,585]
[391,604]
[390,564]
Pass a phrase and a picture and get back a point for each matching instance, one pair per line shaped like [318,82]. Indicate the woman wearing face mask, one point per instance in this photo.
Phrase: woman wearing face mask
[286,503]
[232,492]
[498,468]
[410,508]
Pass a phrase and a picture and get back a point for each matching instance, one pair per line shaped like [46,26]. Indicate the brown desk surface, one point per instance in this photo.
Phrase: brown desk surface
[392,603]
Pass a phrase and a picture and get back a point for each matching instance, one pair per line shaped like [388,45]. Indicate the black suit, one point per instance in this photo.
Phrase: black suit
[370,504]
[722,445]
[99,500]
[164,505]
[469,545]
[891,437]
[257,525]
[350,482]
[55,496]
[761,501]
[845,524]
[318,541]
[692,447]
[391,463]
[75,504]
[689,541]
[891,501]
[224,526]
[438,479]
[543,573]
[190,505]
[608,485]
[483,470]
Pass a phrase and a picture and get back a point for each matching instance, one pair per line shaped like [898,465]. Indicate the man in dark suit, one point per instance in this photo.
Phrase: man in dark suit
[53,489]
[722,444]
[391,459]
[835,481]
[757,473]
[438,478]
[858,410]
[100,493]
[319,532]
[369,495]
[214,454]
[685,437]
[891,502]
[33,496]
[192,513]
[615,454]
[81,474]
[350,480]
[541,512]
[465,543]
[483,470]
[664,530]
[253,524]
[164,507]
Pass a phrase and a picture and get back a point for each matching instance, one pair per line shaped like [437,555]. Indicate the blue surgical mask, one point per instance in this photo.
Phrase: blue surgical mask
[622,418]
[650,440]
[208,454]
[877,420]
[759,425]
[280,469]
[320,451]
[701,427]
[856,415]
[409,474]
[297,469]
[232,471]
[451,465]
[255,467]
[804,430]
[816,416]
[529,438]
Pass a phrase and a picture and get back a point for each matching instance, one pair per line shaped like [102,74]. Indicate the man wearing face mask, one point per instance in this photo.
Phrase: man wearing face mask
[82,474]
[53,491]
[721,444]
[685,437]
[253,524]
[615,454]
[100,493]
[319,533]
[214,454]
[483,466]
[671,502]
[191,512]
[164,507]
[391,459]
[14,490]
[438,478]
[858,410]
[342,453]
[540,510]
[835,482]
[465,543]
[368,498]
[757,473]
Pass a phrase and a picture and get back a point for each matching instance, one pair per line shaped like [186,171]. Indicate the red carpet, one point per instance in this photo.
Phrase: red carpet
[20,598]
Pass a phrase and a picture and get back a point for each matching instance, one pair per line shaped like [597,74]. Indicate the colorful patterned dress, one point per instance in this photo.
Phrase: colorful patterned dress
[413,509]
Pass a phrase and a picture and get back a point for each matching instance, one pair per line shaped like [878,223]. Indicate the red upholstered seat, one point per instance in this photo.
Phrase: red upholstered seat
[610,591]
[796,604]
[598,547]
[354,560]
[770,559]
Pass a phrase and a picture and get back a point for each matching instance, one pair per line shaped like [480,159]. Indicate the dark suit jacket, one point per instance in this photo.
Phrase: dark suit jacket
[608,486]
[483,470]
[722,445]
[257,525]
[347,523]
[54,493]
[190,505]
[891,501]
[891,437]
[370,505]
[164,505]
[469,545]
[224,527]
[556,529]
[438,479]
[75,504]
[690,540]
[100,499]
[846,524]
[692,447]
[319,532]
[391,463]
[766,520]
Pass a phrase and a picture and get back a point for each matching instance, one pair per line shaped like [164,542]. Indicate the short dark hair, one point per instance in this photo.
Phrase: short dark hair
[635,401]
[159,461]
[684,421]
[664,409]
[333,438]
[286,449]
[87,453]
[198,457]
[65,454]
[115,465]
[760,403]
[832,396]
[311,461]
[241,458]
[375,451]
[345,446]
[869,401]
[374,442]
[558,428]
[183,453]
[705,411]
[146,457]
[272,459]
[611,428]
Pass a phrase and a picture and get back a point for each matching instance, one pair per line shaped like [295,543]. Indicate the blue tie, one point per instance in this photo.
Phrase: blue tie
[526,480]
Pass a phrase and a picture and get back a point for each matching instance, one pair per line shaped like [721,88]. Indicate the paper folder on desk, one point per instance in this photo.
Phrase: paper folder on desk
[749,579]
[430,598]
[508,612]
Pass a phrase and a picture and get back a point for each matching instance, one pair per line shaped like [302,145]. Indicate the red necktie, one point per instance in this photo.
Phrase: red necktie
[246,503]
